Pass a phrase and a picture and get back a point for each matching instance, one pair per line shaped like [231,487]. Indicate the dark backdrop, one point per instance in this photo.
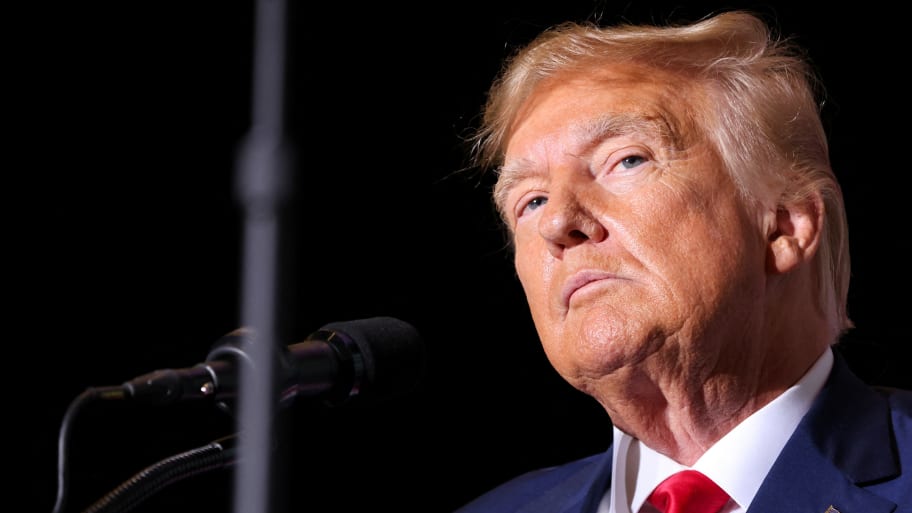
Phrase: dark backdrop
[126,235]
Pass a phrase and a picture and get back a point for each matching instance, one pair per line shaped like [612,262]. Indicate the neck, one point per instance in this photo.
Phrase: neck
[683,413]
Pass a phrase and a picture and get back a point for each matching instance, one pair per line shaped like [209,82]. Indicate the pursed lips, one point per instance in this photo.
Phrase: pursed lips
[580,280]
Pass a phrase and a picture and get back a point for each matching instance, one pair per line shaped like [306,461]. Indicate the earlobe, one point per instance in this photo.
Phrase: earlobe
[796,235]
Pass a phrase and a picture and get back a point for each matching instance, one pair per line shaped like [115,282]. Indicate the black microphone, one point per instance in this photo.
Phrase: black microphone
[377,357]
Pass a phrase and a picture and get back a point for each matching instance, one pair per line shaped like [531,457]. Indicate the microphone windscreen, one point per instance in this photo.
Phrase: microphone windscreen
[393,352]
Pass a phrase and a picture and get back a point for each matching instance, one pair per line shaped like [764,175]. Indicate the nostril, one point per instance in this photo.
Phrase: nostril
[578,235]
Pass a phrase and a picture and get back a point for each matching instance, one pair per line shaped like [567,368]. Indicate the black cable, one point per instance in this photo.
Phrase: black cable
[88,396]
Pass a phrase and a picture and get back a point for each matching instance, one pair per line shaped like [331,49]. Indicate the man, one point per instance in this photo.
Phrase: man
[682,244]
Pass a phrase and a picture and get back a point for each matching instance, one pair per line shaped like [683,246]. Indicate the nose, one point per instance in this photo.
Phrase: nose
[567,219]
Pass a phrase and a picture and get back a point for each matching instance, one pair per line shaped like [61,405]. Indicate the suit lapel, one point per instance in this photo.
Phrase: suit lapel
[842,443]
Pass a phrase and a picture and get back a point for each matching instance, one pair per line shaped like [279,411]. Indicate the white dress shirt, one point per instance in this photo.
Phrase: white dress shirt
[737,462]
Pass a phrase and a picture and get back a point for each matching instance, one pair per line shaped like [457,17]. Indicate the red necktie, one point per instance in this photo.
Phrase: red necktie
[688,491]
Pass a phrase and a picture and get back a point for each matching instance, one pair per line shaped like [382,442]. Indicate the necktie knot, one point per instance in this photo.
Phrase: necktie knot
[688,491]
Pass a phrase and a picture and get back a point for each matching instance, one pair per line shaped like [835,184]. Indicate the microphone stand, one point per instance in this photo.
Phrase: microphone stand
[264,189]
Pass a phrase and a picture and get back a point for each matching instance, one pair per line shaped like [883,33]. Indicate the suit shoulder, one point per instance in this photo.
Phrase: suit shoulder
[899,399]
[537,489]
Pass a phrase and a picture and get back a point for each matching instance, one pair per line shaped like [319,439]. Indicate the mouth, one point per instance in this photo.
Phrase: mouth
[582,280]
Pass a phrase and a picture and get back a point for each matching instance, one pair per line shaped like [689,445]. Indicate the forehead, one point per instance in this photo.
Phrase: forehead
[613,101]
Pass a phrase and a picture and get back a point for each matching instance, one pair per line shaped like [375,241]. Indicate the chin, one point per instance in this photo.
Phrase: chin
[598,348]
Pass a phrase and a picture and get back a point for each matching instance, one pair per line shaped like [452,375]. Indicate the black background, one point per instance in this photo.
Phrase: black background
[125,233]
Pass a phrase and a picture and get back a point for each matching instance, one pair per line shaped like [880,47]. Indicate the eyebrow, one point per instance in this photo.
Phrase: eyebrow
[593,131]
[653,126]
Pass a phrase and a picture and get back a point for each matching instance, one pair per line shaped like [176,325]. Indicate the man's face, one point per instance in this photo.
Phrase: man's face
[631,244]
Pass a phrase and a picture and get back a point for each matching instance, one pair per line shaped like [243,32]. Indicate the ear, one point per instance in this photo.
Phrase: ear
[794,234]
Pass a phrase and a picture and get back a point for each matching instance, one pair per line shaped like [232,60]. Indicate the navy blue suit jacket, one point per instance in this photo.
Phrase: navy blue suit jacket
[851,453]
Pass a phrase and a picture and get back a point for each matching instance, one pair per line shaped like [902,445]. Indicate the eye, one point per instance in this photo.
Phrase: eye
[533,204]
[632,161]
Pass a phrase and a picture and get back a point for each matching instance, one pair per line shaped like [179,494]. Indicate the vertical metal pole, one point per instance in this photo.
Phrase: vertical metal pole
[264,189]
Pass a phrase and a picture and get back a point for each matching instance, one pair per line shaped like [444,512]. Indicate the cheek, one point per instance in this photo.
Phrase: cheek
[709,267]
[533,271]
[688,231]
